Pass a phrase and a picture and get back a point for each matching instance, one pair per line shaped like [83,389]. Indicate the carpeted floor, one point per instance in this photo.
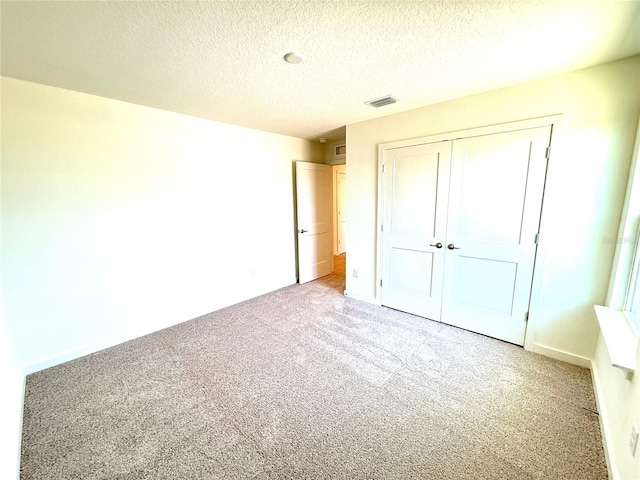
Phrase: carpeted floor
[304,383]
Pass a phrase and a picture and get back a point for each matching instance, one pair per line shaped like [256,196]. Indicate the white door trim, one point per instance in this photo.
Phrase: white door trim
[557,123]
[335,171]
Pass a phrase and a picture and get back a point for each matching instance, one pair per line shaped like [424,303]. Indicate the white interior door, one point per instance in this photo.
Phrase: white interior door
[341,213]
[416,182]
[313,215]
[495,199]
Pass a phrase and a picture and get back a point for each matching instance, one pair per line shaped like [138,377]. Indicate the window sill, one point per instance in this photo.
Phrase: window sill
[619,337]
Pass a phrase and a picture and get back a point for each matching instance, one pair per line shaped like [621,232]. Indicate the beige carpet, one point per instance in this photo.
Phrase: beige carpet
[304,383]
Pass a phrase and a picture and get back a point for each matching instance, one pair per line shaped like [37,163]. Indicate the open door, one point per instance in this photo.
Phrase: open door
[313,215]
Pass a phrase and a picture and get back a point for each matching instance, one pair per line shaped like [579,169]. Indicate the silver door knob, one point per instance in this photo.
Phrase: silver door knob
[451,246]
[437,245]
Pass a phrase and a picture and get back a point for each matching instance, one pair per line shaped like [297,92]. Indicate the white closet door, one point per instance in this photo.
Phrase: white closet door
[495,199]
[415,208]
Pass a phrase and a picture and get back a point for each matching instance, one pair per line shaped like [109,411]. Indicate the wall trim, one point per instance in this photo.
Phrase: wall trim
[603,418]
[102,344]
[22,397]
[19,432]
[126,336]
[361,298]
[562,355]
[86,349]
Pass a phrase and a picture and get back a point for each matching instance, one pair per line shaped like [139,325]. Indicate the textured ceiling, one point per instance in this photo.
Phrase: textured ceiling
[222,60]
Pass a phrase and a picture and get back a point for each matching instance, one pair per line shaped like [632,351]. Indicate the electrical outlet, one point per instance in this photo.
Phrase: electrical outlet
[633,440]
[355,273]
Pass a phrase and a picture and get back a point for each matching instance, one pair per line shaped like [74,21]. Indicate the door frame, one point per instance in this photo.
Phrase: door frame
[335,171]
[557,126]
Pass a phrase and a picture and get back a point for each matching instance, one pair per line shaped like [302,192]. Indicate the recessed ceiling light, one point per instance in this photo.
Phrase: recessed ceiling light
[293,58]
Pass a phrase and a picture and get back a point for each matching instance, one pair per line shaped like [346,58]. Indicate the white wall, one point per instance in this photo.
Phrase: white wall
[119,220]
[583,199]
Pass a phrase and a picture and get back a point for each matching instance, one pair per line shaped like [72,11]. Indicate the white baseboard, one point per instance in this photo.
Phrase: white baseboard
[562,355]
[101,344]
[24,391]
[361,298]
[121,337]
[603,417]
[81,351]
[14,389]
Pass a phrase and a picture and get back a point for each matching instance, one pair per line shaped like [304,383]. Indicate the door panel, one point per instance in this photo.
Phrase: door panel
[411,272]
[313,212]
[495,293]
[415,207]
[414,194]
[488,214]
[497,183]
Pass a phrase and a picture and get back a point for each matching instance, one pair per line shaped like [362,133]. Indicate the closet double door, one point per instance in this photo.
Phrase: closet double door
[460,229]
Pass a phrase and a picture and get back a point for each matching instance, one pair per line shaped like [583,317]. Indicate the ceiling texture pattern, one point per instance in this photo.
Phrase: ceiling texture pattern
[223,60]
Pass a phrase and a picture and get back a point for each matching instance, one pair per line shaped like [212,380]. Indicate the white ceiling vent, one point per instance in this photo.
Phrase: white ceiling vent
[382,101]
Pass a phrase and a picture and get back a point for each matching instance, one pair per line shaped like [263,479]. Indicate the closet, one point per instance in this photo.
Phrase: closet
[460,220]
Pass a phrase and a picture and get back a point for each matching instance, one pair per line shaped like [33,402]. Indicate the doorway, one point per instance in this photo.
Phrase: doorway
[320,192]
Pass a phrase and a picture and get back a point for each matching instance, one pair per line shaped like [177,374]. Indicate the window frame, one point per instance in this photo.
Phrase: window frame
[631,307]
[624,285]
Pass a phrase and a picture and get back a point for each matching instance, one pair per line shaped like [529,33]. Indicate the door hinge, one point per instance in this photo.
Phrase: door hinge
[547,152]
[536,237]
[526,316]
[380,282]
[382,227]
